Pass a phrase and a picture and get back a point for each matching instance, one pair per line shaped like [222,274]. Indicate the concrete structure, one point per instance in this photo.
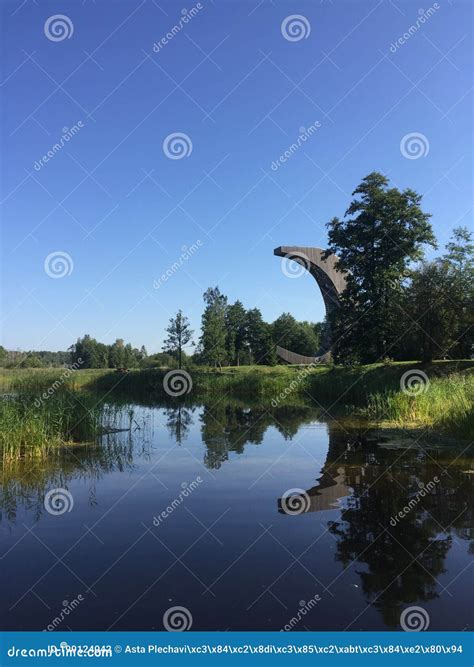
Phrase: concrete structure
[331,282]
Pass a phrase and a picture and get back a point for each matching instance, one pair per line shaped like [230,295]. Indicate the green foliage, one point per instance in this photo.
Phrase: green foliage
[300,337]
[383,230]
[179,334]
[87,352]
[214,333]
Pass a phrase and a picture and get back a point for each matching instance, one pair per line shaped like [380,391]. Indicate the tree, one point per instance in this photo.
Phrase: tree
[3,356]
[460,258]
[214,333]
[236,332]
[179,334]
[299,337]
[383,231]
[259,339]
[431,314]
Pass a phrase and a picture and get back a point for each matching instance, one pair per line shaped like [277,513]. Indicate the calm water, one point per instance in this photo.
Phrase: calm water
[230,548]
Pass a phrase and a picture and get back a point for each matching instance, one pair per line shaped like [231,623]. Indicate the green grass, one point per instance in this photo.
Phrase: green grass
[445,405]
[32,427]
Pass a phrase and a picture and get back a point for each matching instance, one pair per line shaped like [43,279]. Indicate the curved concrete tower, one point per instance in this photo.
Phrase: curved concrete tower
[331,282]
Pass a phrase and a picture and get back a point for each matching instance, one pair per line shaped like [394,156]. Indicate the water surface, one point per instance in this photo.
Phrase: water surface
[188,508]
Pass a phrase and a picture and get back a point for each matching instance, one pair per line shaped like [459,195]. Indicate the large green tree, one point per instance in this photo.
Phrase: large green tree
[214,332]
[382,232]
[236,336]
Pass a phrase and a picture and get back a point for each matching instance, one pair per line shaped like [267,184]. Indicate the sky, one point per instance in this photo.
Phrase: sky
[171,162]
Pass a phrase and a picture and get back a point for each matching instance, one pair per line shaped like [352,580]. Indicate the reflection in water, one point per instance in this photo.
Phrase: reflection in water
[362,482]
[399,512]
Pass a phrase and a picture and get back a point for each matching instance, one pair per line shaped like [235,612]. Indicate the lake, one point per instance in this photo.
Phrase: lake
[246,519]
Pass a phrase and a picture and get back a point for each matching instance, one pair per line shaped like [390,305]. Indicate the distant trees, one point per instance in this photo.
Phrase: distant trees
[383,230]
[233,335]
[179,335]
[87,352]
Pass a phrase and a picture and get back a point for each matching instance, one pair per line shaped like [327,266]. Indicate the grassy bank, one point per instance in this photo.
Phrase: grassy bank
[445,404]
[33,427]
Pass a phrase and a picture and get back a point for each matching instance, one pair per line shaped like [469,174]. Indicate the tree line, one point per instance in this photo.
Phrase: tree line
[396,304]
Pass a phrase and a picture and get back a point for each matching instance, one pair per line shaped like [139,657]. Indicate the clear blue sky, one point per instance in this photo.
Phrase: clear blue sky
[241,91]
